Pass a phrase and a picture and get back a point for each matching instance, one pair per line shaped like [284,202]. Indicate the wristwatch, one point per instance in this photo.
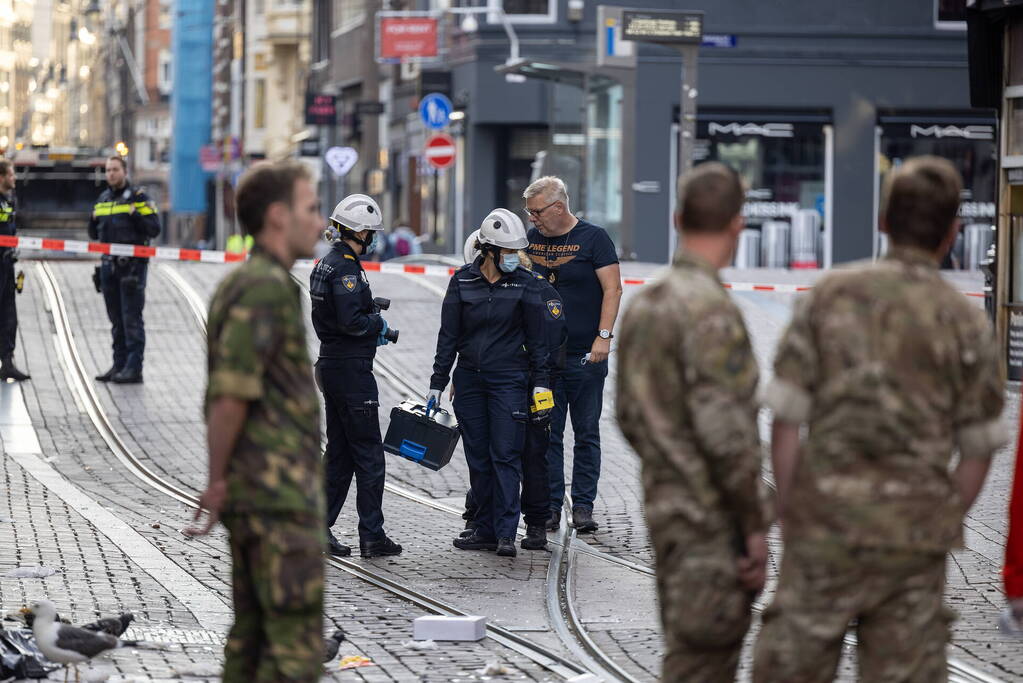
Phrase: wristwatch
[605,334]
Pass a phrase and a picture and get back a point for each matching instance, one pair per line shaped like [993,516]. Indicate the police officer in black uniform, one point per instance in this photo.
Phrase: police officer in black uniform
[350,328]
[8,281]
[124,214]
[536,490]
[492,321]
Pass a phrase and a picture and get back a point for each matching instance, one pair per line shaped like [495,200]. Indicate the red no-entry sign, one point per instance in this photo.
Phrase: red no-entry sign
[440,151]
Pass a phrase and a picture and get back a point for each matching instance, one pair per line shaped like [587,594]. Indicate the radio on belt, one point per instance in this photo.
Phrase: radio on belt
[425,439]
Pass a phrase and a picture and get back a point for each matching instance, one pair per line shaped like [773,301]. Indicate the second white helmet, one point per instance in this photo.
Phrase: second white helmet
[502,228]
[469,250]
[357,212]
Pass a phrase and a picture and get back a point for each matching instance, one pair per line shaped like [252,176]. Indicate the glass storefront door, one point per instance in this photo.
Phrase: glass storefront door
[970,143]
[782,159]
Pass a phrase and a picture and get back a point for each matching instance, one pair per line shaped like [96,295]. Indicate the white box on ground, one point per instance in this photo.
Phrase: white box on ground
[584,678]
[449,628]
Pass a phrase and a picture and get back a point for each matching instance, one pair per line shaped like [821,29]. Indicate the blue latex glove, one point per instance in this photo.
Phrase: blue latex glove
[383,330]
[432,401]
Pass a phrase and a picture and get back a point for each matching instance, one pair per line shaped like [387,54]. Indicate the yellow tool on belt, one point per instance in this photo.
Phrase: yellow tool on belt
[19,282]
[542,401]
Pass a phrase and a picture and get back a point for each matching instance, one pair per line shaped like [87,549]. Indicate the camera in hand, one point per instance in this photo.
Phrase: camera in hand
[383,304]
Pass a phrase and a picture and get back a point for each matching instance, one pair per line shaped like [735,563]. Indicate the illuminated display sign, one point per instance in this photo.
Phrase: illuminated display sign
[663,27]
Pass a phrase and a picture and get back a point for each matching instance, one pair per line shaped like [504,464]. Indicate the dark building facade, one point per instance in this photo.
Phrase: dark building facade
[811,100]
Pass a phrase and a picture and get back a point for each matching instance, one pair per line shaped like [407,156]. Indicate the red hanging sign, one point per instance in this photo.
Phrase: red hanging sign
[408,38]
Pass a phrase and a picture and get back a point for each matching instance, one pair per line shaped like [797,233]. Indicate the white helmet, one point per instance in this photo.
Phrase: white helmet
[469,250]
[502,228]
[357,212]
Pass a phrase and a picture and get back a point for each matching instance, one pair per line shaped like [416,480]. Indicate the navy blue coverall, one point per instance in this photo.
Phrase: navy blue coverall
[8,309]
[348,325]
[535,476]
[125,216]
[497,331]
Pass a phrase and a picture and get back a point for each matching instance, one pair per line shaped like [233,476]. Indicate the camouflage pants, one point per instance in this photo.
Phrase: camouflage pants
[277,581]
[704,612]
[894,598]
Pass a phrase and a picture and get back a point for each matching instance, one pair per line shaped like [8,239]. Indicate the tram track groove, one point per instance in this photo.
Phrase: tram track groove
[564,617]
[82,386]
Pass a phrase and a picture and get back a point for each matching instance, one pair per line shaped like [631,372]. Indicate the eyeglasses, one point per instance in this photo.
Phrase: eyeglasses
[535,213]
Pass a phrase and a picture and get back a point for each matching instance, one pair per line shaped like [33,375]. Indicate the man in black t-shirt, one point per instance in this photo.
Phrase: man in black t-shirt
[580,260]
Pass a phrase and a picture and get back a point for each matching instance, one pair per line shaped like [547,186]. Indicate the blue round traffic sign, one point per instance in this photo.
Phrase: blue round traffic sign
[435,110]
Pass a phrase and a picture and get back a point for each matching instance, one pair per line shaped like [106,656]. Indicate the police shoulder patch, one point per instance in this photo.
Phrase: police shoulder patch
[554,306]
[349,282]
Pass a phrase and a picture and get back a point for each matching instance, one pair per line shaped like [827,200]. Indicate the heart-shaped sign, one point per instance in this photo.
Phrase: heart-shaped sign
[341,160]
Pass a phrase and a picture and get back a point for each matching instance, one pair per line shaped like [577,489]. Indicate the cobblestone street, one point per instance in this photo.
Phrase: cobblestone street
[71,502]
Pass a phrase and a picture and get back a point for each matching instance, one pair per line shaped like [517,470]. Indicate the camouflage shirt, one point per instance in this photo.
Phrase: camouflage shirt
[892,369]
[258,353]
[687,381]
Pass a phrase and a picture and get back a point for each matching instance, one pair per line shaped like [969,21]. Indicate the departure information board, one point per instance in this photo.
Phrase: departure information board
[662,27]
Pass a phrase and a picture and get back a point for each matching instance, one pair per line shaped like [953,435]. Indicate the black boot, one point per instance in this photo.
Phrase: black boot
[382,548]
[8,371]
[336,547]
[506,547]
[555,520]
[470,526]
[475,542]
[108,375]
[582,520]
[536,537]
[127,376]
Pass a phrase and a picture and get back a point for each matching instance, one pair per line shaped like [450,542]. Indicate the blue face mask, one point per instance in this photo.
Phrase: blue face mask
[509,262]
[374,245]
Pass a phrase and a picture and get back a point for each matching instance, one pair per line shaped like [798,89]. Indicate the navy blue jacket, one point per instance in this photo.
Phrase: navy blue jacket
[492,326]
[344,315]
[555,328]
[113,219]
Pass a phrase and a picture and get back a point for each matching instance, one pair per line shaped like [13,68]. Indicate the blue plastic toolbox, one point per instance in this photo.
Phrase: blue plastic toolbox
[427,440]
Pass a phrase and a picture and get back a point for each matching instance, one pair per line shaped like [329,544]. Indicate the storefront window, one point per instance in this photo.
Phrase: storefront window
[970,144]
[1014,122]
[950,14]
[604,159]
[782,163]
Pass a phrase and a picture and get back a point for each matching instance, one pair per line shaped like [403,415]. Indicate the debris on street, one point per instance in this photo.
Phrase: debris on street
[30,572]
[435,627]
[355,661]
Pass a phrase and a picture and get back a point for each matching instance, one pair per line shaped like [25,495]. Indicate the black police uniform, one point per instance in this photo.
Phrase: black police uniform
[535,478]
[348,325]
[8,310]
[497,331]
[125,216]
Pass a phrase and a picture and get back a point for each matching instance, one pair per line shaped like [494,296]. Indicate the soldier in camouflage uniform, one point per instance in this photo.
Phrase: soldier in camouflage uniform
[262,412]
[686,385]
[891,369]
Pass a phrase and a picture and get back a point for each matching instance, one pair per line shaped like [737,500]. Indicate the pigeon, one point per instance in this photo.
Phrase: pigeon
[115,626]
[66,644]
[331,645]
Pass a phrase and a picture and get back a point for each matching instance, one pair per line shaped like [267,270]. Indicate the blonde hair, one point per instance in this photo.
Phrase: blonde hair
[552,188]
[524,260]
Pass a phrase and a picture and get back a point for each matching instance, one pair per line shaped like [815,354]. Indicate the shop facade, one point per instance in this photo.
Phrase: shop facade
[810,101]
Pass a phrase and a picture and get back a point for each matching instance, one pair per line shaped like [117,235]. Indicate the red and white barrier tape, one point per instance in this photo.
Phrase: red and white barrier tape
[114,249]
[210,256]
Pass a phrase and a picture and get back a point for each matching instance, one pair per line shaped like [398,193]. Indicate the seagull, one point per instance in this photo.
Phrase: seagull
[330,645]
[115,626]
[65,644]
[25,616]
